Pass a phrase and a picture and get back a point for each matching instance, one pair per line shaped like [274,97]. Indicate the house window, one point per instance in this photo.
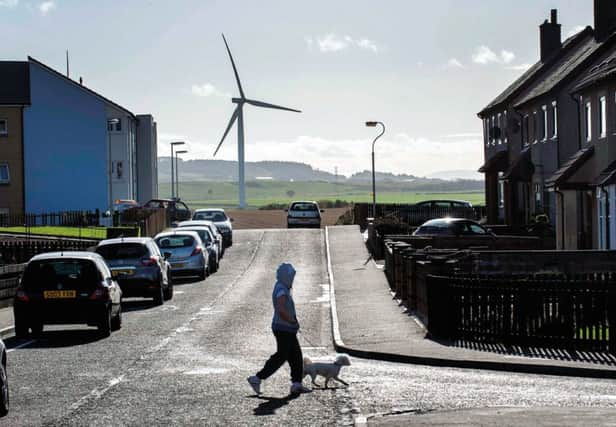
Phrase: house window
[602,117]
[538,193]
[498,125]
[588,121]
[4,127]
[554,119]
[5,177]
[114,125]
[501,190]
[525,129]
[534,126]
[544,128]
[492,133]
[506,126]
[486,124]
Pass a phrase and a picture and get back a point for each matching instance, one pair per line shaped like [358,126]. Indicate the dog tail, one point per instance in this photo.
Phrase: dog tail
[307,361]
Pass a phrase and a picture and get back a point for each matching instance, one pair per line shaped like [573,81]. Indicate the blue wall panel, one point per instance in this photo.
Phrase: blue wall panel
[65,146]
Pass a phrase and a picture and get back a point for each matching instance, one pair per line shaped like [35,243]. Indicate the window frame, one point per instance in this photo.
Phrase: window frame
[544,128]
[588,121]
[498,125]
[554,119]
[602,117]
[535,139]
[6,127]
[8,173]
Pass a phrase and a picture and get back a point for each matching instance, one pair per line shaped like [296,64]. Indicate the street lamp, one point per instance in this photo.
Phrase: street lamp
[110,125]
[373,124]
[177,172]
[172,145]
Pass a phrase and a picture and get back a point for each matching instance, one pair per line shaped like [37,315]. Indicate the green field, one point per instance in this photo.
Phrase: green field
[83,233]
[260,193]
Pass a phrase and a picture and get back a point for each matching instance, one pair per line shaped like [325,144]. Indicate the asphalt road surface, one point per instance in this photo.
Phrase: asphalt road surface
[186,363]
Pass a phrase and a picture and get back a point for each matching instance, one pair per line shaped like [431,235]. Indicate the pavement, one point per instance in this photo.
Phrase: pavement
[369,322]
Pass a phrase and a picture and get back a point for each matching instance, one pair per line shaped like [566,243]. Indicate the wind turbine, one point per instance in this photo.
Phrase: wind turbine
[239,116]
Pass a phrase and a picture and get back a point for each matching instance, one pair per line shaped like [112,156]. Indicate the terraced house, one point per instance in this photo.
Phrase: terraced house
[66,147]
[541,136]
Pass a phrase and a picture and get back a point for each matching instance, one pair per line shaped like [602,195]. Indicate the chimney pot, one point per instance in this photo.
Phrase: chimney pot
[550,36]
[554,16]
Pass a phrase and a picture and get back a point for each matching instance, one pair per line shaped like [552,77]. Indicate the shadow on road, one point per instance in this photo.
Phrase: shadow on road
[137,304]
[271,404]
[57,339]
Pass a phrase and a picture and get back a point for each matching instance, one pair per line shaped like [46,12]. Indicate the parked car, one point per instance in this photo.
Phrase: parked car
[452,227]
[176,209]
[187,253]
[444,204]
[210,242]
[67,287]
[220,219]
[4,382]
[122,205]
[304,214]
[212,227]
[138,266]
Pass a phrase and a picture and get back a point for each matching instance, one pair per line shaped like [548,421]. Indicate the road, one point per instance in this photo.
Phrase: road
[186,363]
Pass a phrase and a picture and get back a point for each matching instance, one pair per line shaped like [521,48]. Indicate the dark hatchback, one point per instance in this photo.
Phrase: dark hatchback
[67,288]
[138,266]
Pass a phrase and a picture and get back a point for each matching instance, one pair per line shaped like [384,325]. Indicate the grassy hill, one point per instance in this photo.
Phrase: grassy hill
[259,193]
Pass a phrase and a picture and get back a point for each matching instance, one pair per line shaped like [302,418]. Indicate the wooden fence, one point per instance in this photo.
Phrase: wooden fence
[566,311]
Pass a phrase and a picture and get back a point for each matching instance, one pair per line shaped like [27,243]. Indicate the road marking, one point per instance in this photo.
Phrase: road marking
[21,346]
[360,420]
[97,393]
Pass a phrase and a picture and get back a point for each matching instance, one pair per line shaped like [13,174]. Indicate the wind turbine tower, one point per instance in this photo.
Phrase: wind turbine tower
[238,114]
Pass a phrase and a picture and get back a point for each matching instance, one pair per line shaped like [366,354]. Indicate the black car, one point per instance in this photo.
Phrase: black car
[176,209]
[67,287]
[451,227]
[138,266]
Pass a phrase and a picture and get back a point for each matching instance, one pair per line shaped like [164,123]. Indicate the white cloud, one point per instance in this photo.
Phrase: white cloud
[484,55]
[334,43]
[399,153]
[454,63]
[208,89]
[9,3]
[46,7]
[519,67]
[573,31]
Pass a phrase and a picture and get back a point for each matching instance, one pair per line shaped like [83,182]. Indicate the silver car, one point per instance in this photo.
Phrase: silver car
[209,224]
[185,252]
[303,214]
[211,244]
[222,221]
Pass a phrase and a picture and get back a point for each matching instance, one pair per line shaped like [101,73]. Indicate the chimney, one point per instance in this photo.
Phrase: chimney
[605,18]
[550,36]
[81,80]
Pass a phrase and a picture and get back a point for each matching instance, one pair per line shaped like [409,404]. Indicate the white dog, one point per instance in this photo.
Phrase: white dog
[326,370]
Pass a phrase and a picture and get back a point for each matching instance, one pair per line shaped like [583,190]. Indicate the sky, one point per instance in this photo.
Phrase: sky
[422,68]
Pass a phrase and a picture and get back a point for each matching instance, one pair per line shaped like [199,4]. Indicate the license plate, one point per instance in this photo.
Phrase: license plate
[178,265]
[59,294]
[116,273]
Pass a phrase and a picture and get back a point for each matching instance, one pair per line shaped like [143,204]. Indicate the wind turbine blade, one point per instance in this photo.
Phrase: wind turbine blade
[237,77]
[266,105]
[233,119]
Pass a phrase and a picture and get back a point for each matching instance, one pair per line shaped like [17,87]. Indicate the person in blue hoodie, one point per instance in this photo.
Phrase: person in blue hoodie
[285,327]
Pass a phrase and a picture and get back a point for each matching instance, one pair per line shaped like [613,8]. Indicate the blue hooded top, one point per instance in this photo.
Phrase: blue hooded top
[284,281]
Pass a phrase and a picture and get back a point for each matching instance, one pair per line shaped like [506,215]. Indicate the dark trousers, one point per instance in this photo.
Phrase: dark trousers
[287,350]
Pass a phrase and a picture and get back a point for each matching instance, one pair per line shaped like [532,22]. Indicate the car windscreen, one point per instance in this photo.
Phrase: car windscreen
[304,207]
[210,216]
[123,251]
[175,242]
[61,274]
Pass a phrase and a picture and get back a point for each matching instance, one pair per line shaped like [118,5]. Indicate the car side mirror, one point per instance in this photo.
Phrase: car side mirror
[231,220]
[286,210]
[166,255]
[321,210]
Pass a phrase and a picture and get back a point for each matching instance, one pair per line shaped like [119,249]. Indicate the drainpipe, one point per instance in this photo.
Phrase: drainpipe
[562,216]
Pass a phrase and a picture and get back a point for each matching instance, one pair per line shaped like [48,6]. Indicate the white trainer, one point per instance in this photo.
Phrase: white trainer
[297,388]
[255,383]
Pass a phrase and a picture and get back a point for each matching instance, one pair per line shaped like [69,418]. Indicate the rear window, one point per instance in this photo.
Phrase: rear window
[123,251]
[204,235]
[79,274]
[210,216]
[304,207]
[172,242]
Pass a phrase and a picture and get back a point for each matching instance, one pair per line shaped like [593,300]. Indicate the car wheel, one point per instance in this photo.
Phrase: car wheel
[4,390]
[168,293]
[104,325]
[159,298]
[202,273]
[116,322]
[21,328]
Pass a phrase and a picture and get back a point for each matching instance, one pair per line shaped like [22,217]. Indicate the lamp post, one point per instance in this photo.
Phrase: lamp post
[173,144]
[177,173]
[373,124]
[110,125]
